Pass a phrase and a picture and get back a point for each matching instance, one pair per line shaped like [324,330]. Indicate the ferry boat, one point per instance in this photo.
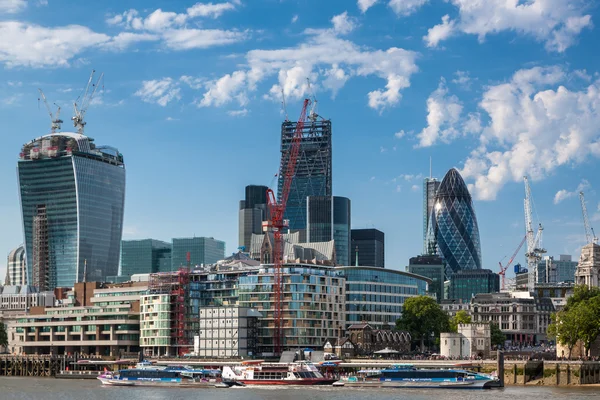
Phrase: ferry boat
[407,376]
[260,373]
[179,376]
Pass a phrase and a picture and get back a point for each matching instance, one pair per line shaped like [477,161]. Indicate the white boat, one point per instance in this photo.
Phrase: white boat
[261,373]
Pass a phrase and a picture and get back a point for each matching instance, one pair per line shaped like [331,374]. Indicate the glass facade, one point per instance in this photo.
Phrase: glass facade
[72,198]
[431,267]
[313,168]
[551,270]
[144,257]
[369,244]
[328,218]
[466,284]
[454,227]
[202,250]
[430,187]
[376,295]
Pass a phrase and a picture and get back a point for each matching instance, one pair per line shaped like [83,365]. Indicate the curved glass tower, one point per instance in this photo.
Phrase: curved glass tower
[72,197]
[453,225]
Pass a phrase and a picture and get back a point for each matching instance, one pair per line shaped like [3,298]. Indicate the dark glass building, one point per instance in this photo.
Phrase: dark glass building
[454,227]
[202,250]
[144,257]
[328,218]
[369,244]
[253,211]
[431,267]
[313,168]
[72,195]
[467,283]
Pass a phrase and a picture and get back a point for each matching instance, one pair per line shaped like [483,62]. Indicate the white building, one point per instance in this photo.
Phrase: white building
[589,266]
[155,324]
[22,298]
[472,340]
[227,332]
[16,267]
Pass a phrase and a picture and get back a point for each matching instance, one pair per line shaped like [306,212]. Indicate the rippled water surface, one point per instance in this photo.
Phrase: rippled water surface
[60,389]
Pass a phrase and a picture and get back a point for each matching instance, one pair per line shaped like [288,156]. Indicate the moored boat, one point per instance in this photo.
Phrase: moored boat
[260,373]
[178,376]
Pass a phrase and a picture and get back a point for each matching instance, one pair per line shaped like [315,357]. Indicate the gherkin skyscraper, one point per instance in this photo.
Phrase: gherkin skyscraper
[453,225]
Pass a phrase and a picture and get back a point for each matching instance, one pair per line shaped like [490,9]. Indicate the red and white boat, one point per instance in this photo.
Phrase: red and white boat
[261,373]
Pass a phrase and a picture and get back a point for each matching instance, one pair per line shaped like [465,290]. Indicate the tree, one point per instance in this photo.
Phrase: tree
[565,327]
[461,317]
[497,337]
[422,317]
[3,335]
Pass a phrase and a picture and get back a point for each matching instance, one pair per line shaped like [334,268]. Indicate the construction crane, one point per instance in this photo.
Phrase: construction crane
[503,269]
[276,224]
[534,242]
[84,100]
[55,121]
[590,235]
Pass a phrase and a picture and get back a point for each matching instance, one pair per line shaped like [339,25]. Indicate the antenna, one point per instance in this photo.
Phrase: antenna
[429,167]
[55,122]
[283,104]
[86,99]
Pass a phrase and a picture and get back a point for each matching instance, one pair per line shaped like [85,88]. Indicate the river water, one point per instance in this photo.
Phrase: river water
[55,389]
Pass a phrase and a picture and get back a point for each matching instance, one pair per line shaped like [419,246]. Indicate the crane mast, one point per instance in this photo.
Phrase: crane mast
[55,121]
[503,268]
[277,223]
[534,241]
[590,235]
[80,109]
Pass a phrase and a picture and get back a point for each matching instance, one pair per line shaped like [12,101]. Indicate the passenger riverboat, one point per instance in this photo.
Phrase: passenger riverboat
[260,373]
[407,376]
[178,376]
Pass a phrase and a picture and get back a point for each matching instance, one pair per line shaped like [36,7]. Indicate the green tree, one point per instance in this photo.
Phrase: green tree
[580,294]
[565,327]
[422,317]
[461,317]
[3,335]
[497,337]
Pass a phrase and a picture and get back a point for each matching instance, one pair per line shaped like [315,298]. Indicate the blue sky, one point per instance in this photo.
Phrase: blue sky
[192,98]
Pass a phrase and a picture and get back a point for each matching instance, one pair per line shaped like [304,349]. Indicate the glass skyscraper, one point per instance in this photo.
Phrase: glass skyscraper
[72,195]
[430,187]
[328,218]
[453,225]
[313,168]
[370,246]
[145,256]
[202,250]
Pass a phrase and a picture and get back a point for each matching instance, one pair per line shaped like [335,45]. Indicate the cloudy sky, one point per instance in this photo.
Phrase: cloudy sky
[192,97]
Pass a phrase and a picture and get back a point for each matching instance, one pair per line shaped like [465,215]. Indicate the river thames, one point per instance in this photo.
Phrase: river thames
[60,389]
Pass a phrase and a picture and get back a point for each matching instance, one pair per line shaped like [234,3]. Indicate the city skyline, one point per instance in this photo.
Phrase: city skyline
[199,116]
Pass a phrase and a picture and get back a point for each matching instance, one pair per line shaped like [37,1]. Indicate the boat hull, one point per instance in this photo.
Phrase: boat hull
[158,383]
[279,382]
[475,384]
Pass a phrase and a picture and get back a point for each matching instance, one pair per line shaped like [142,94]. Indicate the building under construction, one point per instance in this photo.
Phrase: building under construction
[313,167]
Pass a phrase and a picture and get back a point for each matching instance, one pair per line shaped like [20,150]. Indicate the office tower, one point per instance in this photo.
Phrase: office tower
[454,225]
[253,211]
[551,270]
[72,195]
[328,218]
[16,268]
[202,250]
[431,267]
[430,187]
[313,168]
[144,257]
[467,283]
[369,245]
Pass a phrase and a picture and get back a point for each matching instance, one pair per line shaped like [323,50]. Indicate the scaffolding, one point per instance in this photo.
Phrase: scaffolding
[41,269]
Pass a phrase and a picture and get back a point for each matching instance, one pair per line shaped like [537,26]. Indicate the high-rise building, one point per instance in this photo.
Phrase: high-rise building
[16,268]
[253,211]
[453,225]
[368,244]
[145,256]
[202,250]
[430,187]
[467,283]
[431,267]
[72,196]
[551,270]
[313,168]
[328,218]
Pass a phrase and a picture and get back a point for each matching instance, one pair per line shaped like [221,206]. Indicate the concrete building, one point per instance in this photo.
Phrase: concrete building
[313,176]
[328,218]
[72,196]
[23,298]
[430,187]
[467,283]
[368,340]
[253,211]
[320,253]
[368,245]
[589,266]
[202,250]
[376,295]
[16,267]
[432,267]
[228,332]
[551,270]
[471,340]
[107,324]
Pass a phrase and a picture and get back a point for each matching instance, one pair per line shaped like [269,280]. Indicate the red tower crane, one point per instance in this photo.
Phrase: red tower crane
[503,269]
[276,224]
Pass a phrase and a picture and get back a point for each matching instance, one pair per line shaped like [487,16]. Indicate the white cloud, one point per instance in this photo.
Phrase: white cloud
[14,83]
[209,10]
[238,113]
[335,79]
[225,89]
[415,188]
[564,194]
[12,6]
[398,188]
[185,39]
[463,79]
[557,23]
[406,7]
[343,24]
[364,5]
[295,19]
[440,32]
[536,125]
[125,39]
[160,91]
[443,114]
[400,134]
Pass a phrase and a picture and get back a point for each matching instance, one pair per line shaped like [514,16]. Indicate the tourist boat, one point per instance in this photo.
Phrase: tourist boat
[261,373]
[407,376]
[179,376]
